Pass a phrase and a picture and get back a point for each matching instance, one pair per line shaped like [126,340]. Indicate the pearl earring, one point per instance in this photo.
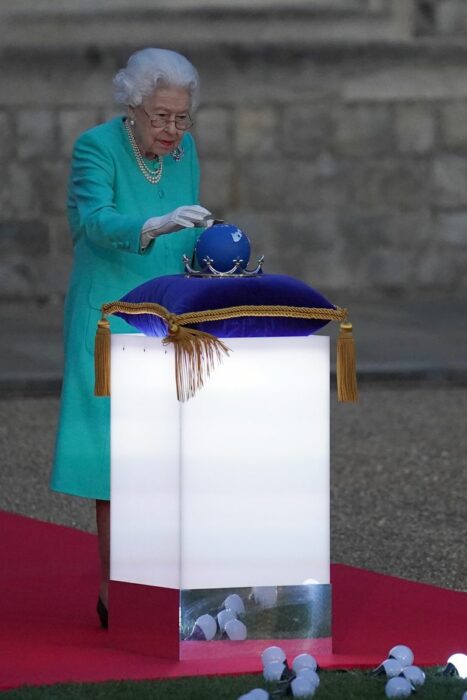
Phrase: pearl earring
[132,122]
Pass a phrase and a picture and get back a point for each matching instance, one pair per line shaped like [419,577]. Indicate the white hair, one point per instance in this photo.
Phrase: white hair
[149,69]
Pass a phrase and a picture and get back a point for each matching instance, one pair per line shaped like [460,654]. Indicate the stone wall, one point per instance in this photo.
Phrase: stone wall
[344,160]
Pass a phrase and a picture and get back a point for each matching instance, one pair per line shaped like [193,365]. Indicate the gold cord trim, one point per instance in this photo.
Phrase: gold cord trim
[304,312]
[346,372]
[102,359]
[197,352]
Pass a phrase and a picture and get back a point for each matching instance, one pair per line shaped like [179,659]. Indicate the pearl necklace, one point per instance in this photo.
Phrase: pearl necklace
[152,176]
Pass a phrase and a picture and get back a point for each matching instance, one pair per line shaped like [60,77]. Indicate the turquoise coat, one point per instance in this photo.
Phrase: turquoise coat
[109,199]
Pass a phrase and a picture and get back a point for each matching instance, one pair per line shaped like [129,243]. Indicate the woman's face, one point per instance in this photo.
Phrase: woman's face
[168,103]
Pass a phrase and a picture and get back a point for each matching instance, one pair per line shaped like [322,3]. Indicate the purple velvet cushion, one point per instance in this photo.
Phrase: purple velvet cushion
[180,294]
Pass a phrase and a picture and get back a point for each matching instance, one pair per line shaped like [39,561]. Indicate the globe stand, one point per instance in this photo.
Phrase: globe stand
[208,270]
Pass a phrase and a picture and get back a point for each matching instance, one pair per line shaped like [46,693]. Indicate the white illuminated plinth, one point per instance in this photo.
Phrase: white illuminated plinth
[231,488]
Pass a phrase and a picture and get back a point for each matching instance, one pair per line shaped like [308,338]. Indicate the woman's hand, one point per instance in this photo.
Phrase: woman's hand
[182,217]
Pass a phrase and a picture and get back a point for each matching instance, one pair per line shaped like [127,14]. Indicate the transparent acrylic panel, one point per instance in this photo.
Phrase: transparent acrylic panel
[273,612]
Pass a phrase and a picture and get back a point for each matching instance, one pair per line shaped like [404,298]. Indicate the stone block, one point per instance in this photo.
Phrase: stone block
[59,236]
[313,184]
[329,271]
[415,127]
[298,261]
[236,77]
[22,279]
[109,111]
[302,185]
[423,16]
[71,124]
[364,229]
[363,130]
[452,228]
[7,141]
[454,125]
[256,131]
[451,17]
[268,233]
[260,183]
[18,195]
[51,181]
[306,129]
[216,186]
[455,265]
[47,286]
[390,183]
[450,181]
[46,79]
[439,268]
[271,235]
[213,131]
[15,281]
[23,239]
[315,230]
[385,269]
[36,133]
[428,80]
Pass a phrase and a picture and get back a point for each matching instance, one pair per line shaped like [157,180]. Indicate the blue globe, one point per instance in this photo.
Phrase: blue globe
[223,243]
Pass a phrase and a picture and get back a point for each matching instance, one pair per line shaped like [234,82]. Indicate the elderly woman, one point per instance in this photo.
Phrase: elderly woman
[133,212]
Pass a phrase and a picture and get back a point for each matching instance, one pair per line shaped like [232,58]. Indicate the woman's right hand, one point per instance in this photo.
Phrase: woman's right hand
[182,217]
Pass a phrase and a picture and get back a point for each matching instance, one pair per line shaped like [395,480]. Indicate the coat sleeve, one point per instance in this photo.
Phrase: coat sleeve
[92,194]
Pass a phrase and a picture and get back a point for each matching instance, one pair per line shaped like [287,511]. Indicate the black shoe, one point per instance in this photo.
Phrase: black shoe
[103,613]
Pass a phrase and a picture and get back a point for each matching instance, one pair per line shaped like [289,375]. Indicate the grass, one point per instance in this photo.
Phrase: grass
[335,685]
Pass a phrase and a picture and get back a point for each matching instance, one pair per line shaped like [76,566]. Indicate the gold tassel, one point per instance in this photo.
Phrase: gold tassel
[196,354]
[346,365]
[102,359]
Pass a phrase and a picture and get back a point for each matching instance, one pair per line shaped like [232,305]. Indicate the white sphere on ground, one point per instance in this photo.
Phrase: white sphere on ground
[304,661]
[302,688]
[258,694]
[265,596]
[224,616]
[208,625]
[398,688]
[402,653]
[459,661]
[235,603]
[273,670]
[235,630]
[255,694]
[272,654]
[309,674]
[414,674]
[392,667]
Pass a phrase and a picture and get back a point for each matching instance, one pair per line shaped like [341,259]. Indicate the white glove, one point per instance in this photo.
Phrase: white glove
[182,217]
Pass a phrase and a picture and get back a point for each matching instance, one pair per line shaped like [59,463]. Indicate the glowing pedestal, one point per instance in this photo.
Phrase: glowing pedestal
[226,492]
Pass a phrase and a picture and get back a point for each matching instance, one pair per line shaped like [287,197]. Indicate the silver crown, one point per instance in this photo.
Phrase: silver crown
[235,271]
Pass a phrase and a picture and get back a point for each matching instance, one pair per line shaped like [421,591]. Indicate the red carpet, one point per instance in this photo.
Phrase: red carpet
[49,632]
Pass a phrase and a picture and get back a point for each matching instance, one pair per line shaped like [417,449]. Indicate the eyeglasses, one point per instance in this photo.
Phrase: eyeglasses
[158,121]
